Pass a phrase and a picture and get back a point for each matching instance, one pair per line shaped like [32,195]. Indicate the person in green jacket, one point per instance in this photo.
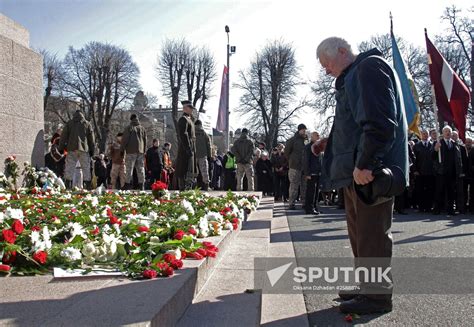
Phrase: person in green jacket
[294,152]
[78,139]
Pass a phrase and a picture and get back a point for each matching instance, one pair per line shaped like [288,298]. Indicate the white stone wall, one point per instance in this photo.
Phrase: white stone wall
[21,96]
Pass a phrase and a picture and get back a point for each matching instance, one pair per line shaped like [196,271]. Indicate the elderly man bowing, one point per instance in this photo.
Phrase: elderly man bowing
[369,129]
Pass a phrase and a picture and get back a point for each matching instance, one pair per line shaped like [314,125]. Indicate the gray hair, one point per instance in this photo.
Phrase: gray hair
[447,127]
[331,45]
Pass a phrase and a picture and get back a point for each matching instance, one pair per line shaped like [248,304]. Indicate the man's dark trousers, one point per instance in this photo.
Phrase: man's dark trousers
[370,236]
[312,193]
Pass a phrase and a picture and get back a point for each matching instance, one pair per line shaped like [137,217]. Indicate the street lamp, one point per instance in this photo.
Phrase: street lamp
[230,51]
[227,30]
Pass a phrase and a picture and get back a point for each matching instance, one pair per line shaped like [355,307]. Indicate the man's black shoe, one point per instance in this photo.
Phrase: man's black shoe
[312,212]
[292,207]
[451,213]
[362,305]
[347,295]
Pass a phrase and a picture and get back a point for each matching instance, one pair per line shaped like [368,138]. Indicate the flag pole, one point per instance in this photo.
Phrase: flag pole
[433,99]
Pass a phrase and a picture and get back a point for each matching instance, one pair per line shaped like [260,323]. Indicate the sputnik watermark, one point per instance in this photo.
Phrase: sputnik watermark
[350,274]
[374,275]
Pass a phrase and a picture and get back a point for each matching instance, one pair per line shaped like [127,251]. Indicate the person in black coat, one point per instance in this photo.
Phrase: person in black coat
[461,195]
[447,166]
[154,162]
[469,180]
[424,173]
[100,170]
[264,174]
[312,171]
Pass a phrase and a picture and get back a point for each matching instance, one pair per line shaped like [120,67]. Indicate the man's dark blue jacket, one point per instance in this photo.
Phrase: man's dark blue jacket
[369,124]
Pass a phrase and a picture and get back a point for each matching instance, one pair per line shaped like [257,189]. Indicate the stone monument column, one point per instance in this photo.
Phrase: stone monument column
[21,96]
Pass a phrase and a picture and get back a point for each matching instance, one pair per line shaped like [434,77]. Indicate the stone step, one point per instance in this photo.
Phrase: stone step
[229,298]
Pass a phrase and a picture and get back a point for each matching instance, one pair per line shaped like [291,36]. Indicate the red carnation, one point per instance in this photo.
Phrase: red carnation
[95,231]
[115,220]
[143,229]
[168,257]
[168,272]
[235,226]
[202,252]
[36,228]
[194,255]
[162,265]
[211,253]
[159,186]
[177,264]
[17,226]
[8,236]
[179,235]
[9,257]
[4,268]
[235,220]
[149,274]
[192,231]
[41,257]
[183,254]
[348,318]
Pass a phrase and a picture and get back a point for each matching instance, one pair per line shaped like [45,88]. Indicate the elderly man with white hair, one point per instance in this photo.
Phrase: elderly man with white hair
[369,129]
[448,168]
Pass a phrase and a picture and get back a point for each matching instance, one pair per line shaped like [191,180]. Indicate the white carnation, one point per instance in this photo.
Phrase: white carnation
[11,213]
[183,217]
[203,227]
[71,254]
[214,216]
[188,207]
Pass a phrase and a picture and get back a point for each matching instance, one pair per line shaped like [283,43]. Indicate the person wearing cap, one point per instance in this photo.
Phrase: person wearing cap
[203,154]
[369,128]
[294,152]
[185,161]
[134,145]
[243,149]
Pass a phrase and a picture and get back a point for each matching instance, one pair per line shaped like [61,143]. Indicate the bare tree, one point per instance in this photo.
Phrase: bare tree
[269,91]
[51,74]
[200,74]
[103,77]
[185,71]
[324,100]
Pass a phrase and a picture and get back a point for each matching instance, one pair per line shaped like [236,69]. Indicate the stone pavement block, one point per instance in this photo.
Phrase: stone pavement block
[23,100]
[6,56]
[6,136]
[27,65]
[25,301]
[12,30]
[28,139]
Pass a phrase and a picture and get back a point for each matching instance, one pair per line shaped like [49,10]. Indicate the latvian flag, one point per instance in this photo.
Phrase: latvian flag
[452,95]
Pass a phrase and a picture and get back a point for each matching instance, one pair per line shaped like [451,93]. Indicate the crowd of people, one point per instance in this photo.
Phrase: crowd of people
[441,168]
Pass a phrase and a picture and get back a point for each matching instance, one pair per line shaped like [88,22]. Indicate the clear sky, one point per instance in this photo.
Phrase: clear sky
[141,25]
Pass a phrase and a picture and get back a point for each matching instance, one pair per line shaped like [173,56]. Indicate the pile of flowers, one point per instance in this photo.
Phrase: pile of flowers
[136,233]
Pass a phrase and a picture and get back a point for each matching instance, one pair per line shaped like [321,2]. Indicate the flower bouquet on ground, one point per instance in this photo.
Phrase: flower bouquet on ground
[123,231]
[159,189]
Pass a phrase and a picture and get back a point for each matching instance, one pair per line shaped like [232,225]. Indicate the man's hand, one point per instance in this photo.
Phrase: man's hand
[307,178]
[362,177]
[437,146]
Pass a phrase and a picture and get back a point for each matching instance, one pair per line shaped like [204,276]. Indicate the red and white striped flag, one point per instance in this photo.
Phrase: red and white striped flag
[452,95]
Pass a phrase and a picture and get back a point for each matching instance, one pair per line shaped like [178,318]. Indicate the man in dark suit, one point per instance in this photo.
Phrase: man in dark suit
[469,180]
[448,167]
[424,174]
[461,195]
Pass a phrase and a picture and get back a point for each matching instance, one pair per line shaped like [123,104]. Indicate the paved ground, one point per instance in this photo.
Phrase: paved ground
[415,235]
